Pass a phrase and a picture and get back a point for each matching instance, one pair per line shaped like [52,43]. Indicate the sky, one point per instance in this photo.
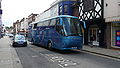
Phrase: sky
[14,10]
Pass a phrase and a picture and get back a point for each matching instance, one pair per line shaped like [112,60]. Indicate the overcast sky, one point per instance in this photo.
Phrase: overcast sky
[17,9]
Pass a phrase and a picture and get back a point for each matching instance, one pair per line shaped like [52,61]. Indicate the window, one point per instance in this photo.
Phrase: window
[39,24]
[44,23]
[35,26]
[60,10]
[19,37]
[47,23]
[53,22]
[59,27]
[65,9]
[106,4]
[72,26]
[119,8]
[88,5]
[58,21]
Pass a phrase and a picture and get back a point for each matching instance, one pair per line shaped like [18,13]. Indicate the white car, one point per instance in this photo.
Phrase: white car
[19,40]
[10,35]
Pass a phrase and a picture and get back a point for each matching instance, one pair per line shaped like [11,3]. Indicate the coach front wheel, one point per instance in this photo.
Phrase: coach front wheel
[49,45]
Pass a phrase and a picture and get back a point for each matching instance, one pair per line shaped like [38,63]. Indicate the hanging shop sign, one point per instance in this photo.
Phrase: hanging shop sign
[118,38]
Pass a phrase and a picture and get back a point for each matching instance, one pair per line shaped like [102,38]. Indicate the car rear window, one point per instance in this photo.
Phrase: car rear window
[19,37]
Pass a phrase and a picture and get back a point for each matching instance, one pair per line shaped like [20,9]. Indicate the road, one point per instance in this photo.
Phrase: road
[34,56]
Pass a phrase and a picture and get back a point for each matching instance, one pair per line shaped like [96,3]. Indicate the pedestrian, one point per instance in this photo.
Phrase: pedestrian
[91,40]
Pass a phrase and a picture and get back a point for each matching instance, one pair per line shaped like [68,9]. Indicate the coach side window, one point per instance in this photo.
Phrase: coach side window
[59,27]
[58,21]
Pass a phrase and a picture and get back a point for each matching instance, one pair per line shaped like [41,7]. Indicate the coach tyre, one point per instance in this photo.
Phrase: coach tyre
[49,45]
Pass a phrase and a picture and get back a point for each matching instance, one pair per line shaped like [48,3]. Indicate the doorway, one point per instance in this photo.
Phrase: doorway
[93,35]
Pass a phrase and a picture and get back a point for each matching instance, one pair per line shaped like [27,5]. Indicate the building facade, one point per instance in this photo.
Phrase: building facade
[21,26]
[0,19]
[102,19]
[112,19]
[91,11]
[31,18]
[16,26]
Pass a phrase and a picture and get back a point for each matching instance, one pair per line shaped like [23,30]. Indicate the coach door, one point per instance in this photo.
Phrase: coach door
[41,36]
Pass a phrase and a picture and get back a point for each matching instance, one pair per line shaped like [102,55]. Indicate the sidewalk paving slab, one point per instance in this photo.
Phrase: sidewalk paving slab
[8,55]
[102,51]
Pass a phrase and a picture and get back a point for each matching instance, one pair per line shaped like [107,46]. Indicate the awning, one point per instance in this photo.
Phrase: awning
[115,19]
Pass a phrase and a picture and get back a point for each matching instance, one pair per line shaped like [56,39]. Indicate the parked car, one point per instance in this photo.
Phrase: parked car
[19,40]
[10,35]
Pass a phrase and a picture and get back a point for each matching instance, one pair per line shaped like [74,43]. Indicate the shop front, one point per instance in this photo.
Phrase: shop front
[95,33]
[115,34]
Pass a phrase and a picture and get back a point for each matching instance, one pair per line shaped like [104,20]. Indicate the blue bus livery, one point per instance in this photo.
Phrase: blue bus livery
[62,32]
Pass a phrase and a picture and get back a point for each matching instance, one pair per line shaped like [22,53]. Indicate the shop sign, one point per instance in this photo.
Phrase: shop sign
[118,38]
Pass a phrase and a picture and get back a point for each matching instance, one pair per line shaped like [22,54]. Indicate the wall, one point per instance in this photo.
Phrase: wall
[0,19]
[108,35]
[111,8]
[112,19]
[24,24]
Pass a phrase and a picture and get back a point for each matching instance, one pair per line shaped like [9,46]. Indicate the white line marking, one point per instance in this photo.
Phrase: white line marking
[61,65]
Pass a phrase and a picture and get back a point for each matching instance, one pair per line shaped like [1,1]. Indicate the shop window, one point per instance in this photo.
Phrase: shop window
[118,38]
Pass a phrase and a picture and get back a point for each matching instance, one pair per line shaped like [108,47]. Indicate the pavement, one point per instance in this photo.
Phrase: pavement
[102,51]
[8,55]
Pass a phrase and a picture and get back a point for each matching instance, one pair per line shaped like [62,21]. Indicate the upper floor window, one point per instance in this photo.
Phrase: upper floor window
[119,8]
[60,10]
[65,9]
[88,5]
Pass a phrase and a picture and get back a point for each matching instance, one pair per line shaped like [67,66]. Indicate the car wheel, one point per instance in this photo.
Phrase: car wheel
[13,45]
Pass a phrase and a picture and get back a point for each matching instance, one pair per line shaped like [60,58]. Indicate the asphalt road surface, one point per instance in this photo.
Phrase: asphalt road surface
[34,56]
